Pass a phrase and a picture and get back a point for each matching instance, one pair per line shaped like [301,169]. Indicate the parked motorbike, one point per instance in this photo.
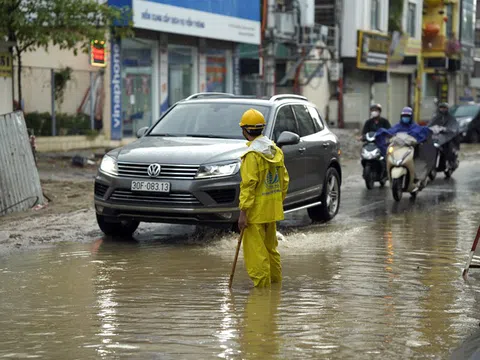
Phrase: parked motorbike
[374,168]
[408,171]
[441,142]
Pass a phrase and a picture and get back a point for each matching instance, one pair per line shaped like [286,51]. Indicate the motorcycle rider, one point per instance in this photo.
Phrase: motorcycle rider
[375,122]
[446,120]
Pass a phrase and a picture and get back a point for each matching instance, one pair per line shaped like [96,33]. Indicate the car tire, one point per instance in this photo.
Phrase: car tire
[121,228]
[330,198]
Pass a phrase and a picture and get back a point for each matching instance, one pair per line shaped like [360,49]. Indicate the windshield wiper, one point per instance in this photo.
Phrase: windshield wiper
[208,136]
[163,135]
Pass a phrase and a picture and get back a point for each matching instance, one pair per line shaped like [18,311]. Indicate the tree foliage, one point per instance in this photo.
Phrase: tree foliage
[395,15]
[68,24]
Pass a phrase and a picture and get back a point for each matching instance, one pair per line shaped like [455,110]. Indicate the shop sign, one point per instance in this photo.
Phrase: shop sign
[6,64]
[236,21]
[373,50]
[442,88]
[97,53]
[116,90]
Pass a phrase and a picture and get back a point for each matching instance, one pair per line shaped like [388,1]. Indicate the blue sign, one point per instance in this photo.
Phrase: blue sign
[231,20]
[116,90]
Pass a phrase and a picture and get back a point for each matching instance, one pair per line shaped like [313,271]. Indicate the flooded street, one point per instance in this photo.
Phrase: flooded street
[383,280]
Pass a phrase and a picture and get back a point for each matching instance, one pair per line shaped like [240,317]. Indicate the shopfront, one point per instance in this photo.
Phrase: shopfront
[180,47]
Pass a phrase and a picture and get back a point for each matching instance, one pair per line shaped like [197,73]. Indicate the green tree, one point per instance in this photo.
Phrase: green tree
[69,24]
[395,14]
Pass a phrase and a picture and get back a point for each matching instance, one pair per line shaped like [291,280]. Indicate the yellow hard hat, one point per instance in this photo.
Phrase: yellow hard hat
[252,119]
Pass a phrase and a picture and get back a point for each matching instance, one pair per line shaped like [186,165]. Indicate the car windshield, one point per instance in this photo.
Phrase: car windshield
[466,110]
[213,120]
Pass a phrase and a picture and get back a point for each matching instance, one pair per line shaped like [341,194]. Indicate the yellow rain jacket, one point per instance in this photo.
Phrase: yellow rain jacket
[264,182]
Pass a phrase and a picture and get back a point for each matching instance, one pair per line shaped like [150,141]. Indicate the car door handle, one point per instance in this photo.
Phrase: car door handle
[301,150]
[325,145]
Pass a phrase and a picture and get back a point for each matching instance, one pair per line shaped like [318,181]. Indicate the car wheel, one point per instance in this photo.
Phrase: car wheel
[397,189]
[330,198]
[121,228]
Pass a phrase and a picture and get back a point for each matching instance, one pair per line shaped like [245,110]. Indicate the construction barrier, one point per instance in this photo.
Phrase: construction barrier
[20,187]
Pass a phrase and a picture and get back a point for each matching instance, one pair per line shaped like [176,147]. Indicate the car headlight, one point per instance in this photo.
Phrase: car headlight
[217,170]
[109,165]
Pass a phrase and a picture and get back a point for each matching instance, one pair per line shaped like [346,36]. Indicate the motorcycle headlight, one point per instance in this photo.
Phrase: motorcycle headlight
[109,165]
[218,170]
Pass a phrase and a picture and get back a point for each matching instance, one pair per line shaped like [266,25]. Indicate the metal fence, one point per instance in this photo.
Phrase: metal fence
[20,187]
[60,101]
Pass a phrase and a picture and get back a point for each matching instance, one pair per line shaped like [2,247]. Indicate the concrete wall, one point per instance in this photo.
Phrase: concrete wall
[6,90]
[36,79]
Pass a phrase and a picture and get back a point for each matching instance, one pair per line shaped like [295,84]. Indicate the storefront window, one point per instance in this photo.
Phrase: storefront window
[180,73]
[216,71]
[137,96]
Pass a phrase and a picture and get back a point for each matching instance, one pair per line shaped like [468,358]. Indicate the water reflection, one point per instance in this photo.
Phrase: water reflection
[259,338]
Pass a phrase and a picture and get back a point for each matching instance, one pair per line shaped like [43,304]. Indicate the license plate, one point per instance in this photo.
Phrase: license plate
[153,186]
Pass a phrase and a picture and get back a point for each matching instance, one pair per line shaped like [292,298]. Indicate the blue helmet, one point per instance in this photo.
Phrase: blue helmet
[407,111]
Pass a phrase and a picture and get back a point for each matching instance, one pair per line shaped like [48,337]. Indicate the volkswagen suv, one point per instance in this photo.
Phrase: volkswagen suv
[185,168]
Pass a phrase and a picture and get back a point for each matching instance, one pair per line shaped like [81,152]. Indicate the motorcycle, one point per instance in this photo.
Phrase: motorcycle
[408,164]
[373,162]
[441,164]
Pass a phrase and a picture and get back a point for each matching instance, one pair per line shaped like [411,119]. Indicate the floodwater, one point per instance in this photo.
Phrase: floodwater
[383,280]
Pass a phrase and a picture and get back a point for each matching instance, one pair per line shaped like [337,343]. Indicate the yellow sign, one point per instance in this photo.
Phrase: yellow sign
[373,50]
[6,64]
[413,47]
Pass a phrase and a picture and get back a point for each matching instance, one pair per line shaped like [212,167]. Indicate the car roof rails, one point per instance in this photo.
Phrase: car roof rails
[209,94]
[287,96]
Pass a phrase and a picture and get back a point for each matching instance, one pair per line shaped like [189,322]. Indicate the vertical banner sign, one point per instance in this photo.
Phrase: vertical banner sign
[163,74]
[202,71]
[236,71]
[116,90]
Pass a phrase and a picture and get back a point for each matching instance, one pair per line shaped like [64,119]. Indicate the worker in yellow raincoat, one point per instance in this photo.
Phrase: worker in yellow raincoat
[262,191]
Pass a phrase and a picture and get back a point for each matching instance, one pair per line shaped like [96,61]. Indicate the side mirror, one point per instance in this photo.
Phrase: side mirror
[288,138]
[141,131]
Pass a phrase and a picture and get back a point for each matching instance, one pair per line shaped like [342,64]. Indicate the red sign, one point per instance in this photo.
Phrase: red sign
[97,53]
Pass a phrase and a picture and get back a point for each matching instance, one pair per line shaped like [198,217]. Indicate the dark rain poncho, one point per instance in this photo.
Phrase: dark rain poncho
[451,127]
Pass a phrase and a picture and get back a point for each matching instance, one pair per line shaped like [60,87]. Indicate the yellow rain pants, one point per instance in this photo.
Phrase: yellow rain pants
[262,259]
[262,191]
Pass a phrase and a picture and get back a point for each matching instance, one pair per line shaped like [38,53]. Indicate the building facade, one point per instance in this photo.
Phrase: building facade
[180,47]
[379,64]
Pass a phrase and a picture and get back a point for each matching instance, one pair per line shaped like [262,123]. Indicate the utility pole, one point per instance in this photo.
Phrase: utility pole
[269,80]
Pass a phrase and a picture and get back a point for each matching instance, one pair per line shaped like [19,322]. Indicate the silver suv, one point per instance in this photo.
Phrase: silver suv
[185,168]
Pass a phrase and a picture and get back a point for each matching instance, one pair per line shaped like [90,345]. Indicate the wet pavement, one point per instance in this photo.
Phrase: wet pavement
[383,280]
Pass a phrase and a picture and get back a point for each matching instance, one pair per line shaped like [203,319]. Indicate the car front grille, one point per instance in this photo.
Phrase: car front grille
[100,189]
[127,196]
[222,196]
[139,170]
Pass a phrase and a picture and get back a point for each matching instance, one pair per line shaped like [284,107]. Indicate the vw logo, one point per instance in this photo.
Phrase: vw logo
[154,170]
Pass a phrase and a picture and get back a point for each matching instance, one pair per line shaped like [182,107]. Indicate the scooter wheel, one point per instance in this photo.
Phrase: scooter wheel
[382,183]
[448,174]
[397,189]
[432,175]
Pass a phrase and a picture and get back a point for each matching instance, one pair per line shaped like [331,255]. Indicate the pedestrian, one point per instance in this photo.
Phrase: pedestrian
[263,189]
[376,121]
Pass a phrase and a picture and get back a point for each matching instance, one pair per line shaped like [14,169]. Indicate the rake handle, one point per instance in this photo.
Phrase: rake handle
[235,260]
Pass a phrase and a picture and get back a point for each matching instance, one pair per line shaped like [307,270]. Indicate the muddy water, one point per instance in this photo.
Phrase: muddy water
[381,281]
